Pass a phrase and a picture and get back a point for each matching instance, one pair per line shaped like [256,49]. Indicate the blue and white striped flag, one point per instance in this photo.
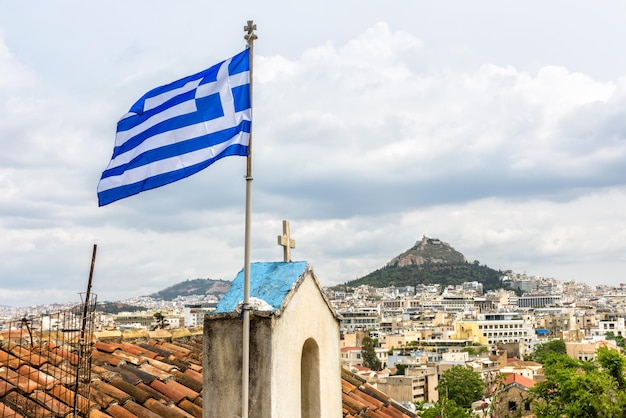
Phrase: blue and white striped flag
[176,130]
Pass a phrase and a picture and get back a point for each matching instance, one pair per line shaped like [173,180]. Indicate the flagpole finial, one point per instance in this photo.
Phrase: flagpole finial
[250,36]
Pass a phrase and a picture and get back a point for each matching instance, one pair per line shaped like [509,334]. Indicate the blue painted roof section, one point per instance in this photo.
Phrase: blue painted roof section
[270,281]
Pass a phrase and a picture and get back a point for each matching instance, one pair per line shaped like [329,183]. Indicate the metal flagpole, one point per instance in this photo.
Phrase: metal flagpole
[245,363]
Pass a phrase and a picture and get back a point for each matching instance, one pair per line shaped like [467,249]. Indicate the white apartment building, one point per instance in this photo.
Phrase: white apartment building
[506,328]
[352,356]
[497,328]
[612,324]
[194,313]
[360,319]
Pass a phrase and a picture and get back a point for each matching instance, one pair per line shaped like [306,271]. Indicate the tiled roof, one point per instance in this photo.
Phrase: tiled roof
[511,378]
[138,377]
[143,378]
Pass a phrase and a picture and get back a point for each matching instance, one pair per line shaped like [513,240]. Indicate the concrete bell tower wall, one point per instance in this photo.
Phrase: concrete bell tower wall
[306,318]
[294,359]
[221,365]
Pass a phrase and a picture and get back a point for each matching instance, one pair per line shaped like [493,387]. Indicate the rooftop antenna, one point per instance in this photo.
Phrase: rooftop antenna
[83,350]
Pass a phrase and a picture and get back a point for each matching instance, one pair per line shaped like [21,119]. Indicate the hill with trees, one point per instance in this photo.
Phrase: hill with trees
[430,261]
[117,307]
[217,288]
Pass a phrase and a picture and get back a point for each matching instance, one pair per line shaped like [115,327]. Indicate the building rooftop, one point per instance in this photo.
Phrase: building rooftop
[133,374]
[512,378]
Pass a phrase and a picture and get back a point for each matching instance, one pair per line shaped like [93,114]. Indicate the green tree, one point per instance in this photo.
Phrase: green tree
[400,369]
[461,385]
[368,353]
[576,389]
[614,363]
[541,351]
[476,350]
[619,340]
[443,408]
[161,321]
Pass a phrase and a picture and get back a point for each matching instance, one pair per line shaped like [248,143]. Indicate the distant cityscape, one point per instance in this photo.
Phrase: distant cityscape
[424,328]
[571,311]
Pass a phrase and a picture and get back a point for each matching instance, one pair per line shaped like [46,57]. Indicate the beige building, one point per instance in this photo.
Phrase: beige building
[513,399]
[527,369]
[586,350]
[409,389]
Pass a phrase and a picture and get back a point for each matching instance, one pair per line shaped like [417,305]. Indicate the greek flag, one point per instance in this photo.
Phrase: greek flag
[178,129]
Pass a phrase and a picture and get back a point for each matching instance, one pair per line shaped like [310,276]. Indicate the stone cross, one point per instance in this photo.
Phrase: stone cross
[286,242]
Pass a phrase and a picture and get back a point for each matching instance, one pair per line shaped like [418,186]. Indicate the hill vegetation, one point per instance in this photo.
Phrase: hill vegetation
[189,287]
[117,307]
[430,261]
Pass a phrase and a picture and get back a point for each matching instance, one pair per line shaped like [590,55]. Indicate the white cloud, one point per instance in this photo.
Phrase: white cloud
[365,140]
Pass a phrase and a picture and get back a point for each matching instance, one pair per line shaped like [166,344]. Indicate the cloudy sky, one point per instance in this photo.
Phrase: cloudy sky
[498,127]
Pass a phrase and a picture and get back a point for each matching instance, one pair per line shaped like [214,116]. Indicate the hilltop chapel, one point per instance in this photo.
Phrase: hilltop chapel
[294,345]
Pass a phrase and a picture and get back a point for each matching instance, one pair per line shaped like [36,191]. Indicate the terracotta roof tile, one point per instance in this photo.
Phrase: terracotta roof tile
[9,360]
[148,379]
[119,395]
[191,408]
[176,349]
[351,404]
[196,367]
[361,399]
[43,379]
[26,355]
[139,410]
[179,364]
[511,378]
[194,375]
[138,350]
[143,376]
[189,393]
[96,413]
[159,374]
[154,394]
[102,358]
[135,392]
[71,357]
[23,383]
[168,391]
[69,396]
[108,372]
[128,357]
[104,400]
[190,382]
[161,365]
[160,351]
[160,409]
[5,387]
[26,406]
[58,407]
[117,411]
[105,347]
[52,357]
[7,412]
[58,374]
